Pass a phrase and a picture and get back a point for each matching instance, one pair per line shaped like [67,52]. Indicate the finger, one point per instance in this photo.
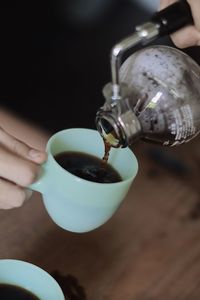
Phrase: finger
[17,169]
[21,148]
[186,37]
[11,195]
[195,7]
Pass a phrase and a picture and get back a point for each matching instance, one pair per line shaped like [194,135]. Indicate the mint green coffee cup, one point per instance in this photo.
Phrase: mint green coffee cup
[76,204]
[30,278]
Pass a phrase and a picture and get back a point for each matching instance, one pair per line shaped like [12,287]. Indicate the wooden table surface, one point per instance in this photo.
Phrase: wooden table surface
[150,249]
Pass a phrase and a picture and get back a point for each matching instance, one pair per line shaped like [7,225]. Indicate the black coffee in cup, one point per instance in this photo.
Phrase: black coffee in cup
[12,292]
[88,167]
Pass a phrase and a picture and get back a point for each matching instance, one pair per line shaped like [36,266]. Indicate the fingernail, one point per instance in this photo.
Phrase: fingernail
[34,153]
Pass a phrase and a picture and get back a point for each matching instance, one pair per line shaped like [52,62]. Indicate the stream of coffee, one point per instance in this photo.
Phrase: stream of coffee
[107,148]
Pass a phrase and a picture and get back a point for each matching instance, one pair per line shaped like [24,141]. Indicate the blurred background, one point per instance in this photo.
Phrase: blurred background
[55,56]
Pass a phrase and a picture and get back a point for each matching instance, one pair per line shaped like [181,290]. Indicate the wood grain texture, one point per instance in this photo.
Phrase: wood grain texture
[150,249]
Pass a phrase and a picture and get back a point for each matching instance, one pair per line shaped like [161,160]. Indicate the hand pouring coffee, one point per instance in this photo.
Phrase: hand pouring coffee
[155,93]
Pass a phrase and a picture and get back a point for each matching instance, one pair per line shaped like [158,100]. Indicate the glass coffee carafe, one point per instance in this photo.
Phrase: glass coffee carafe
[160,99]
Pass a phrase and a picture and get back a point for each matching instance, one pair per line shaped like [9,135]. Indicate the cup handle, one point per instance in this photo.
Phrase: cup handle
[40,185]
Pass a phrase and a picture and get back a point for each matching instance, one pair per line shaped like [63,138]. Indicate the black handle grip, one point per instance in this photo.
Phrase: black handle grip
[173,17]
